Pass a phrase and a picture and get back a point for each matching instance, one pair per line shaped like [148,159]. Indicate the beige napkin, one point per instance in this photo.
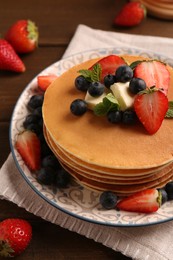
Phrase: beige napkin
[144,243]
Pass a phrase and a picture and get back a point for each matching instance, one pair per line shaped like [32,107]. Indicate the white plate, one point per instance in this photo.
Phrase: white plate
[76,200]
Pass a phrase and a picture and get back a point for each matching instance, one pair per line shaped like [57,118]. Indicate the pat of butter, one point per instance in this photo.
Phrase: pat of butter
[123,95]
[93,101]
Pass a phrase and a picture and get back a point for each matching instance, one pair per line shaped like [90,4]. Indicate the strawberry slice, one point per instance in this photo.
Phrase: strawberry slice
[154,73]
[151,106]
[109,65]
[28,146]
[146,201]
[45,80]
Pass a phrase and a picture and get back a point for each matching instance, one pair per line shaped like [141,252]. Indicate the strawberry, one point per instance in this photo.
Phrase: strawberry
[28,146]
[151,106]
[146,201]
[15,236]
[45,80]
[9,60]
[131,14]
[109,65]
[23,36]
[154,73]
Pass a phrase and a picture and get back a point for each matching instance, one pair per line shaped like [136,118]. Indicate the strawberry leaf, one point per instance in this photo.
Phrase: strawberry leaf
[169,113]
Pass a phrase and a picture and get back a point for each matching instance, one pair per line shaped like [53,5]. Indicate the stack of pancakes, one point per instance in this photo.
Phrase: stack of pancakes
[100,155]
[160,8]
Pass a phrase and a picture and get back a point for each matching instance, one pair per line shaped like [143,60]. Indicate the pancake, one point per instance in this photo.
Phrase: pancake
[93,139]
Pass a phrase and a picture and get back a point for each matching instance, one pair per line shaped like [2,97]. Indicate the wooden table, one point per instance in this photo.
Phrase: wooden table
[57,21]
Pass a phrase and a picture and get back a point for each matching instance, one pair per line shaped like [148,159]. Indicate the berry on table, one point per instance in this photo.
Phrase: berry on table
[124,73]
[136,85]
[81,83]
[78,107]
[114,116]
[108,200]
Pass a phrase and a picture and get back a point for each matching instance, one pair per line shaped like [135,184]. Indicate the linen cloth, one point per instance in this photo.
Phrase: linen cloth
[142,243]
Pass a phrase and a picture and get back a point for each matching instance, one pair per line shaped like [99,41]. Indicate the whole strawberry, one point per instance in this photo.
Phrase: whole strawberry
[23,36]
[15,236]
[130,15]
[9,60]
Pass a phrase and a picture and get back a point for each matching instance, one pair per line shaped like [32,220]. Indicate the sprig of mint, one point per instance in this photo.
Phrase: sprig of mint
[169,113]
[109,103]
[93,75]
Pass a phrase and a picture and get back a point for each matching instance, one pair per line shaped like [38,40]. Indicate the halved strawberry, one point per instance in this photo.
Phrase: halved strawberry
[45,80]
[28,145]
[146,201]
[109,65]
[154,73]
[151,106]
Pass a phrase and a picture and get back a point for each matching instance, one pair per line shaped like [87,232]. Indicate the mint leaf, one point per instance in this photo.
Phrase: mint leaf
[109,103]
[169,113]
[92,75]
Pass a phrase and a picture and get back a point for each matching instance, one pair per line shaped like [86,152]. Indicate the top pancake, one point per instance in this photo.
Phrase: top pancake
[93,139]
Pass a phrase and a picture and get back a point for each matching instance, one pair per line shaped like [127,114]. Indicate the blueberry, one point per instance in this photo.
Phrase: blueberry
[108,199]
[62,178]
[35,102]
[30,119]
[114,116]
[164,196]
[96,89]
[124,73]
[136,85]
[45,150]
[38,112]
[78,107]
[46,176]
[51,161]
[109,80]
[81,83]
[34,128]
[169,190]
[129,117]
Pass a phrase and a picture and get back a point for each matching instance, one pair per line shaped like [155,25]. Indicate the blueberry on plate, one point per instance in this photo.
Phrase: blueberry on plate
[81,83]
[169,190]
[108,199]
[109,80]
[46,176]
[34,128]
[96,89]
[35,102]
[50,161]
[114,116]
[124,73]
[38,112]
[78,107]
[129,117]
[45,150]
[164,196]
[136,85]
[63,178]
[30,119]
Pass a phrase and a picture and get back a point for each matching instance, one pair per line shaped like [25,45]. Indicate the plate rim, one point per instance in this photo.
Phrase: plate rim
[50,202]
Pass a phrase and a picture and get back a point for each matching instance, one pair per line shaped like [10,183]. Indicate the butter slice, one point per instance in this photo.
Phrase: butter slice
[121,92]
[93,101]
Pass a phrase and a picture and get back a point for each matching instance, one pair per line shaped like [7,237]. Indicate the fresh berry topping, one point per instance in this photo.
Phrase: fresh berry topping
[78,107]
[124,73]
[46,176]
[63,178]
[109,65]
[114,116]
[146,201]
[109,80]
[136,85]
[38,112]
[129,117]
[15,236]
[45,150]
[151,106]
[96,89]
[81,83]
[163,195]
[28,146]
[30,119]
[131,14]
[50,161]
[35,102]
[108,200]
[9,60]
[23,36]
[169,190]
[154,73]
[44,81]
